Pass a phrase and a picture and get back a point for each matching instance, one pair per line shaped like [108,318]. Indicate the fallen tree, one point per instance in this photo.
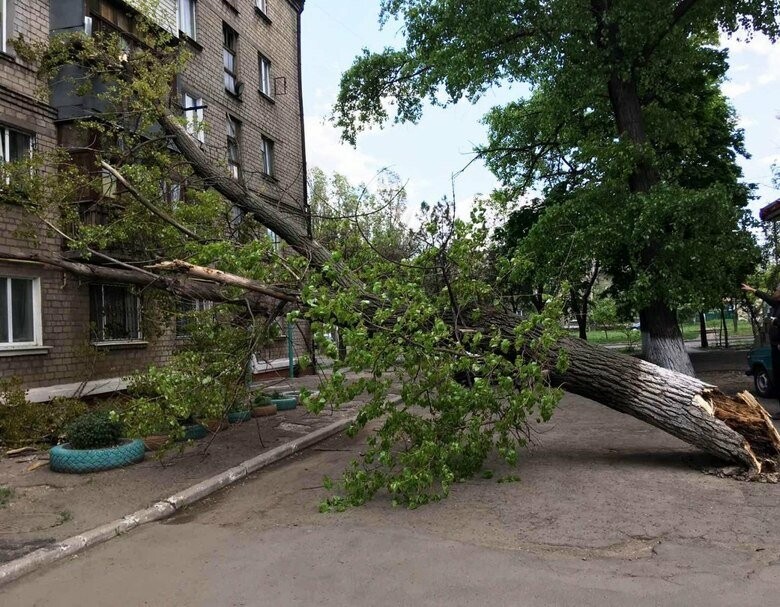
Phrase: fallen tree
[507,363]
[736,429]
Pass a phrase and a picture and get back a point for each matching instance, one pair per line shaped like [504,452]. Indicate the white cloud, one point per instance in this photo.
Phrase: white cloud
[746,123]
[325,150]
[768,161]
[735,89]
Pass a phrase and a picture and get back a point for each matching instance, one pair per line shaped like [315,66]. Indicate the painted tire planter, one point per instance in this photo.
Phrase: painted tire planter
[214,425]
[156,442]
[79,461]
[292,394]
[264,411]
[194,432]
[236,417]
[285,403]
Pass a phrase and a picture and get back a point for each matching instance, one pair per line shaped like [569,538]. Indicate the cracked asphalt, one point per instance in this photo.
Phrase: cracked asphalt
[608,511]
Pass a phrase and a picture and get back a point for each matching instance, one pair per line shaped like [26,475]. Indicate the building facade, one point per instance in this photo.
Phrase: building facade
[241,95]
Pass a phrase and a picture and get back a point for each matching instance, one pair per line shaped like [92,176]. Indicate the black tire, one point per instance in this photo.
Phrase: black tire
[762,380]
[80,461]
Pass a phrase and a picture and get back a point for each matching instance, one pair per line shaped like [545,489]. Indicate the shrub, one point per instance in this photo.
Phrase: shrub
[262,400]
[25,423]
[94,431]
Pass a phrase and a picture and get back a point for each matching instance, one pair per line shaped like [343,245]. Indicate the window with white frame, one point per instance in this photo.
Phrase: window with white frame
[186,18]
[20,312]
[262,6]
[229,51]
[193,115]
[14,145]
[265,75]
[268,157]
[114,313]
[4,26]
[233,152]
[275,240]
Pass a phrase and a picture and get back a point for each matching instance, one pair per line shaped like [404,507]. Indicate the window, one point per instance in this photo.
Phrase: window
[193,114]
[262,6]
[14,145]
[233,153]
[20,312]
[268,157]
[114,313]
[108,184]
[275,240]
[186,17]
[171,192]
[3,25]
[230,48]
[265,75]
[186,309]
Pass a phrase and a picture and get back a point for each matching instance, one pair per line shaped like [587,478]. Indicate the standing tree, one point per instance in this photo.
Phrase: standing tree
[615,101]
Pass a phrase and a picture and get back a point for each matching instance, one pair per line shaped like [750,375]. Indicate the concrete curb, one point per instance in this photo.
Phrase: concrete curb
[28,563]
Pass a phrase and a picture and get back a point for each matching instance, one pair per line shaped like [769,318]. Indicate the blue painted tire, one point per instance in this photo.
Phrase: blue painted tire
[80,461]
[194,432]
[285,404]
[236,417]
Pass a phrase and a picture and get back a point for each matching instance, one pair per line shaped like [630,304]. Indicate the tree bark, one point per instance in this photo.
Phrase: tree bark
[661,337]
[703,330]
[732,428]
[183,287]
[580,308]
[735,429]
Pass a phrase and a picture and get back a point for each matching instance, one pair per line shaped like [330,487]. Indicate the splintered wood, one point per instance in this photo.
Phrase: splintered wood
[745,415]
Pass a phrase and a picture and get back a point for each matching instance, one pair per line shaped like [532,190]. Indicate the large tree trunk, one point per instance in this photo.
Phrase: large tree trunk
[735,429]
[580,309]
[703,330]
[661,338]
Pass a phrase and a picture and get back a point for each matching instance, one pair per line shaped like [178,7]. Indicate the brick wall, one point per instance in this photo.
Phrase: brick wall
[66,356]
[277,118]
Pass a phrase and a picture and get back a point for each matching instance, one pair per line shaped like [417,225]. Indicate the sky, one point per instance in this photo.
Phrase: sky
[431,155]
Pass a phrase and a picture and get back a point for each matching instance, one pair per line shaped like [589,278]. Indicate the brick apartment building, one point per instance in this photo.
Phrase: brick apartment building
[59,332]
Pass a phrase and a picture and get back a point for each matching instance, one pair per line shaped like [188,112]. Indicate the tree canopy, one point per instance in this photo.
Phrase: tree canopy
[624,110]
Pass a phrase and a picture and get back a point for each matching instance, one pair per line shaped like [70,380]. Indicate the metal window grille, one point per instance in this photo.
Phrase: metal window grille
[115,313]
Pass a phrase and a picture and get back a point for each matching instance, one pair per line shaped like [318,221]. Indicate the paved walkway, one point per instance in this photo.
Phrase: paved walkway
[46,507]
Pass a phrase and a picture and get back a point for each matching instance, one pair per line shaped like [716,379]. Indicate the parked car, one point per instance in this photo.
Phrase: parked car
[760,367]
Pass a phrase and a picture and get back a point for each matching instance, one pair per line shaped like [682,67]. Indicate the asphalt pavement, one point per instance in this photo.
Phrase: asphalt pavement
[608,511]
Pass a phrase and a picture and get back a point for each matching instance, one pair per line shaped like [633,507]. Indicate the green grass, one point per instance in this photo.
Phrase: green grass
[690,332]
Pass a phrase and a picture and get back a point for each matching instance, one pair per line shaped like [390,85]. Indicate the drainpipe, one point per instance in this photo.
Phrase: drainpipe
[290,350]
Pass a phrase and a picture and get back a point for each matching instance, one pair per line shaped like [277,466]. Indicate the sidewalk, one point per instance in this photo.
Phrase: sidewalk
[45,507]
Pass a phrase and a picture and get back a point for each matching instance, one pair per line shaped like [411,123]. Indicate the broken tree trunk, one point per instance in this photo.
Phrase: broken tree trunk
[736,429]
[187,288]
